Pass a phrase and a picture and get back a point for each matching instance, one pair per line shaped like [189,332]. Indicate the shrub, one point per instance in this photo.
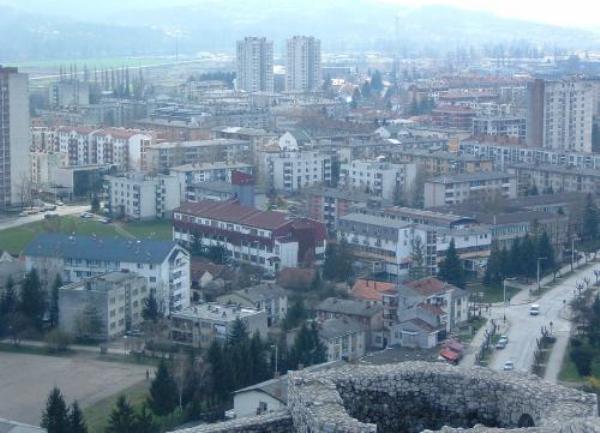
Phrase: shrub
[582,358]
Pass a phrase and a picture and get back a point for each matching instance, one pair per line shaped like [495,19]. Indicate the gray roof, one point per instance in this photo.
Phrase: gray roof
[557,169]
[375,220]
[99,248]
[468,177]
[333,328]
[8,426]
[351,307]
[276,388]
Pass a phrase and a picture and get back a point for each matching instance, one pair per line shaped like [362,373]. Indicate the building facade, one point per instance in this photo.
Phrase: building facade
[165,265]
[14,136]
[255,65]
[381,179]
[303,64]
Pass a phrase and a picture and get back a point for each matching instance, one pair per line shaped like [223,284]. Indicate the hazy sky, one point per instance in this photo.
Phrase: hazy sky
[577,13]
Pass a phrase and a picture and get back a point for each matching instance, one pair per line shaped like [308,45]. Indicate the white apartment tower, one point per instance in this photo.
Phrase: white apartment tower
[14,136]
[560,115]
[255,65]
[303,64]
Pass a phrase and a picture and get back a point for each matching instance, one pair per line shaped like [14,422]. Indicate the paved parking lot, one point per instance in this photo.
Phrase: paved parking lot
[25,381]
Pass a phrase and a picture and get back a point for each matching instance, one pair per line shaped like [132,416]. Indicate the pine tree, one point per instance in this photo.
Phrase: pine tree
[544,249]
[527,257]
[33,300]
[308,348]
[53,309]
[222,380]
[376,82]
[295,314]
[451,270]
[515,267]
[9,301]
[55,418]
[590,219]
[493,270]
[258,356]
[238,333]
[144,422]
[122,419]
[163,396]
[151,311]
[76,421]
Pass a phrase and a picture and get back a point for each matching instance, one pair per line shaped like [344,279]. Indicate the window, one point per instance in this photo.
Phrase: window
[153,279]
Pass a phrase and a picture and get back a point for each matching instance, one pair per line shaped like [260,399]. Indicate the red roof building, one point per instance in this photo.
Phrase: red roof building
[269,239]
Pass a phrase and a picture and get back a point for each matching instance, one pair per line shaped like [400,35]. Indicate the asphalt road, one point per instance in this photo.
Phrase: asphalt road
[15,221]
[524,329]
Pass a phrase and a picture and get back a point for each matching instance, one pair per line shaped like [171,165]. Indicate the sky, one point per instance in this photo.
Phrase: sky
[572,13]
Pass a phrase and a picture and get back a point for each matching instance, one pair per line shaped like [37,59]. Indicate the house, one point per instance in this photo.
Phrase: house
[198,326]
[264,397]
[265,297]
[370,290]
[344,339]
[369,315]
[164,264]
[203,273]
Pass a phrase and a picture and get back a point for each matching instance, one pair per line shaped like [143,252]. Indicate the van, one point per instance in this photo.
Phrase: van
[534,310]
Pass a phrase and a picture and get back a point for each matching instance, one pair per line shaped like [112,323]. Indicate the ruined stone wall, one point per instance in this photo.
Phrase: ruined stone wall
[412,397]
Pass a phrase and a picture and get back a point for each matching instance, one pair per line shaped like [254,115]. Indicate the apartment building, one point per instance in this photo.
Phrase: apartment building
[268,297]
[503,155]
[383,241]
[327,205]
[254,65]
[292,171]
[344,339]
[267,239]
[449,190]
[189,174]
[559,114]
[442,162]
[500,126]
[121,147]
[453,117]
[555,178]
[118,297]
[15,137]
[142,197]
[378,178]
[200,325]
[165,265]
[303,64]
[161,157]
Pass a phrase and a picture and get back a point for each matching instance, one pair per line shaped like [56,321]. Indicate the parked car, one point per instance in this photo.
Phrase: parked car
[534,310]
[59,203]
[105,220]
[501,344]
[509,366]
[49,207]
[24,214]
[51,216]
[86,215]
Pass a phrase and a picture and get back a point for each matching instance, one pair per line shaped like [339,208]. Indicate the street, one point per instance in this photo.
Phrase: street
[8,222]
[524,329]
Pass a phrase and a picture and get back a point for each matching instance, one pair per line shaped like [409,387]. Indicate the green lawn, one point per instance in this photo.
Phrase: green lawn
[569,373]
[15,239]
[494,293]
[96,415]
[156,229]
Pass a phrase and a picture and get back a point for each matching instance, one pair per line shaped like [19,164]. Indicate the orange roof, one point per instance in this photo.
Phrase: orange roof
[371,290]
[429,286]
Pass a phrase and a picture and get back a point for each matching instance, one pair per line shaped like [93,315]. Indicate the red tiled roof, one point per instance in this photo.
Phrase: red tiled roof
[429,286]
[449,355]
[436,310]
[198,267]
[371,290]
[231,211]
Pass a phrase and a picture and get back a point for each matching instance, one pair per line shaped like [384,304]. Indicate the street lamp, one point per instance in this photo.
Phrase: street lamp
[538,271]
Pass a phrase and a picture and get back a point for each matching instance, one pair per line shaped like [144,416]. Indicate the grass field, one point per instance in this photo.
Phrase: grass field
[97,414]
[494,293]
[158,229]
[16,239]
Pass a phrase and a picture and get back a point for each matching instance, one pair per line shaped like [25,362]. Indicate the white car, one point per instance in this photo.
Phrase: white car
[509,366]
[534,310]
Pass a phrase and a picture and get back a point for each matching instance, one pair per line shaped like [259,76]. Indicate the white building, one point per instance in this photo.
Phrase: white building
[189,174]
[164,264]
[295,170]
[255,65]
[139,196]
[560,114]
[43,166]
[200,325]
[344,339]
[382,179]
[303,64]
[460,188]
[15,137]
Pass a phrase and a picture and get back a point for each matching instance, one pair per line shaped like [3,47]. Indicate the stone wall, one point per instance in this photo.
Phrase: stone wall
[411,397]
[277,422]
